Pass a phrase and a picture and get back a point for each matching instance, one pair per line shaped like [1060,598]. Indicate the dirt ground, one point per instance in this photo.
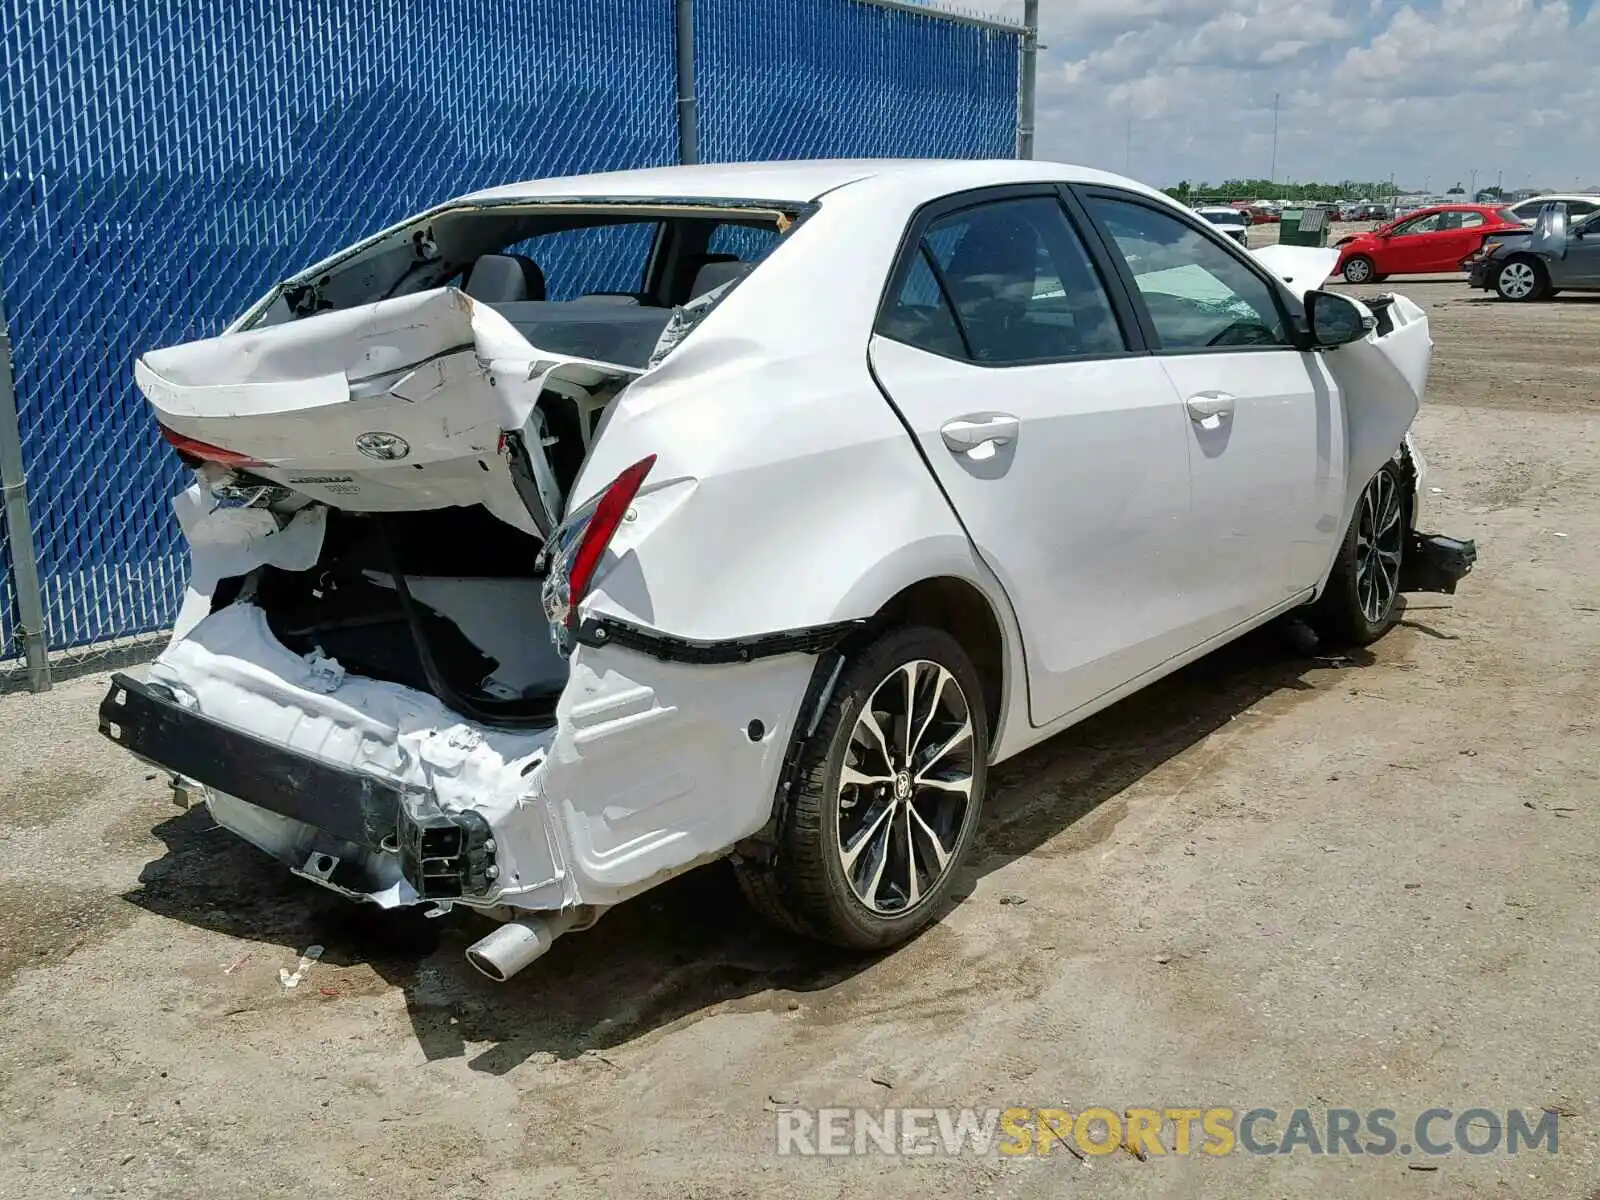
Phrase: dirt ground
[1277,879]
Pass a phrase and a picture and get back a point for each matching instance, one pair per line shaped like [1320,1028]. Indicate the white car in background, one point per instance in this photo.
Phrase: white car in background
[1229,221]
[1578,207]
[861,477]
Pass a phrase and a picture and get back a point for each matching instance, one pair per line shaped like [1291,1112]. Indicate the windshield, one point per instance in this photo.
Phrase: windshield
[1219,216]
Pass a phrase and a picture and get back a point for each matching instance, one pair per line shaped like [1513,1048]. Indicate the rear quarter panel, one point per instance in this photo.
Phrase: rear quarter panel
[786,492]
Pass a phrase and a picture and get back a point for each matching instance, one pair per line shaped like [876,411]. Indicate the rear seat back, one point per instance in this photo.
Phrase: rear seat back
[616,333]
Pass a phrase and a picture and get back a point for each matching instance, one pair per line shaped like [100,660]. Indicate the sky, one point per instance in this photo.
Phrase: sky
[1166,90]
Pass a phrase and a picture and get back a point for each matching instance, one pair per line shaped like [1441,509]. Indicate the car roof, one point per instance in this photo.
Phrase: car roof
[1433,208]
[1218,208]
[1592,197]
[796,182]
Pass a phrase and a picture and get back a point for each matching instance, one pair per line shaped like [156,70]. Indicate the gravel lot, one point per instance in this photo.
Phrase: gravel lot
[1274,880]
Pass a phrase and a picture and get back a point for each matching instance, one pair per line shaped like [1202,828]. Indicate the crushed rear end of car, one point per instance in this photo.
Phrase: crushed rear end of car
[380,674]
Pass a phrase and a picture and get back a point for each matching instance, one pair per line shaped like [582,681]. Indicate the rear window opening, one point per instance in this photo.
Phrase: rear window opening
[598,281]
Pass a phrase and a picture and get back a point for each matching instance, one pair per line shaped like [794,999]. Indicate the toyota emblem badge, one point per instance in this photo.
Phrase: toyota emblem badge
[386,446]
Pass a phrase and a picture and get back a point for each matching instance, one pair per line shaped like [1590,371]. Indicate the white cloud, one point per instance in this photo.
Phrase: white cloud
[1427,90]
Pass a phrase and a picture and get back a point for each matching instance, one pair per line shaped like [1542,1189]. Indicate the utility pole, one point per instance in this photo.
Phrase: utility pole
[1028,78]
[1272,175]
[1474,185]
[688,102]
[19,530]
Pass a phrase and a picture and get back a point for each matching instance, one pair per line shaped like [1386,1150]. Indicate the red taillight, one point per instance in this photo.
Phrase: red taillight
[194,452]
[579,543]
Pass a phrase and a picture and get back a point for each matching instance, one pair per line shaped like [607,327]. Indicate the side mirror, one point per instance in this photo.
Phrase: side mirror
[1335,320]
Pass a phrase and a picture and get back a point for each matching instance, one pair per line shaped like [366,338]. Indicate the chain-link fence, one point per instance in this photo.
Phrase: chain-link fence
[781,79]
[162,164]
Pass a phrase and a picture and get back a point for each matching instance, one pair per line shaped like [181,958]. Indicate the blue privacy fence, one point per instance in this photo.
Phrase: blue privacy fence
[162,164]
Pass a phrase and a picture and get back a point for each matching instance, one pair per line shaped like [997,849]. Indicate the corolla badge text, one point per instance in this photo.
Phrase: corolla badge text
[386,446]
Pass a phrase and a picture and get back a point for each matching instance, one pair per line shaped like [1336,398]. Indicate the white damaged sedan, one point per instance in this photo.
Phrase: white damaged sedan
[578,532]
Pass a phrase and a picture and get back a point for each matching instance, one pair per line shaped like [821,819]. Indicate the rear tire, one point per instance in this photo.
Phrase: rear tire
[1362,600]
[878,828]
[1521,280]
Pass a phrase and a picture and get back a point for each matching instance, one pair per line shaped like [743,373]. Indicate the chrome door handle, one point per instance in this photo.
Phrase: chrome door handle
[1209,409]
[967,434]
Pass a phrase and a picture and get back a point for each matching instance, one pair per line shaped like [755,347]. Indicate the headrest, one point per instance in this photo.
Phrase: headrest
[714,274]
[505,279]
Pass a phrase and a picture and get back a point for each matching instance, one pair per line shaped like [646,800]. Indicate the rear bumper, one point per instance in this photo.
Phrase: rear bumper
[441,855]
[383,794]
[150,724]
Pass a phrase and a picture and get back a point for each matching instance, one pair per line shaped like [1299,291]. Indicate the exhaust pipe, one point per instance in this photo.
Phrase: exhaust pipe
[515,944]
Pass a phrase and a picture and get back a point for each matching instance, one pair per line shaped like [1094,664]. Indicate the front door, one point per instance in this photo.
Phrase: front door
[1059,443]
[1263,424]
[1416,246]
[1580,268]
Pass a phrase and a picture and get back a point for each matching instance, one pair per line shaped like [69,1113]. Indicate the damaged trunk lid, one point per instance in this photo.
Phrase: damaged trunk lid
[417,402]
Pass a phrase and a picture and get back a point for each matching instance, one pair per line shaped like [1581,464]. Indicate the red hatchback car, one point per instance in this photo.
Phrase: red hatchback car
[1421,243]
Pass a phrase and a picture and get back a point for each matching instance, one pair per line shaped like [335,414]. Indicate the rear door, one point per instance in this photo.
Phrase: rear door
[1460,235]
[1263,429]
[1059,441]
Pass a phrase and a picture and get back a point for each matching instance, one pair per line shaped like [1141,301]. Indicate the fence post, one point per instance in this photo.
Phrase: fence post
[19,531]
[688,107]
[1028,78]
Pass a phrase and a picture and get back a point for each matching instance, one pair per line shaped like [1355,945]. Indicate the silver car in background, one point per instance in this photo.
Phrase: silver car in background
[1560,252]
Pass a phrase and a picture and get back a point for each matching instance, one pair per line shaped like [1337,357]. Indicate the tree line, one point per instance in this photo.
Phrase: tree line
[1266,189]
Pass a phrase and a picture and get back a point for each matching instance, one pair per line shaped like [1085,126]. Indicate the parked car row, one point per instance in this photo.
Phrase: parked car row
[1433,240]
[1519,252]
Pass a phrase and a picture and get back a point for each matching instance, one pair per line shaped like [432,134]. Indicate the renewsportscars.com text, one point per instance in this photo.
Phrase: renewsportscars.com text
[1154,1132]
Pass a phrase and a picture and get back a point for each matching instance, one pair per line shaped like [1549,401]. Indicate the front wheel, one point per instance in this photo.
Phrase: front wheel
[1358,269]
[1362,600]
[886,800]
[1521,279]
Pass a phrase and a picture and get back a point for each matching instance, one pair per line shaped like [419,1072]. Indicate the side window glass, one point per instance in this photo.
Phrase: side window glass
[1198,294]
[1428,224]
[1022,283]
[1471,220]
[920,317]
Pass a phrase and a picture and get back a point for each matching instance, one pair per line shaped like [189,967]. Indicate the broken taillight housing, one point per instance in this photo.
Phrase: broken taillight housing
[576,546]
[194,452]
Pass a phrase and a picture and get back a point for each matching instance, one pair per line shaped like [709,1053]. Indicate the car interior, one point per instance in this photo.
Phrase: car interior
[590,284]
[685,259]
